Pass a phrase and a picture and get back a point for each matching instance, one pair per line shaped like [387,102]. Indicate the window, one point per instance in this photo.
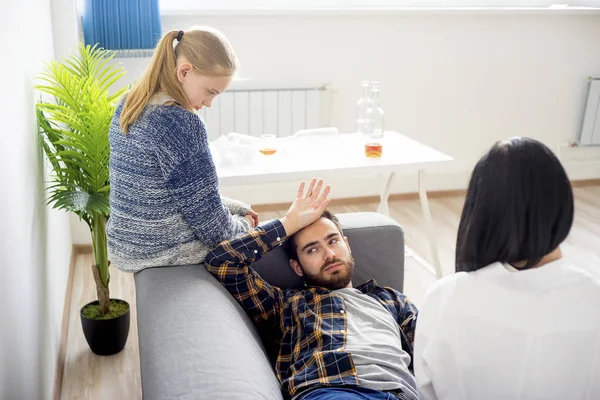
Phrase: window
[126,25]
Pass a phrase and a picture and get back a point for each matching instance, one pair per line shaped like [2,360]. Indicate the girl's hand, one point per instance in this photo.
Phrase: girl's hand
[252,216]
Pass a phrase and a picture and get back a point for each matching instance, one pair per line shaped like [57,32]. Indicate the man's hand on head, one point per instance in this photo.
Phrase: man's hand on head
[308,206]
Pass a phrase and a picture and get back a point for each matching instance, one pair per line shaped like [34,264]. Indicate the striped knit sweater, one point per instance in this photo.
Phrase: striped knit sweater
[164,198]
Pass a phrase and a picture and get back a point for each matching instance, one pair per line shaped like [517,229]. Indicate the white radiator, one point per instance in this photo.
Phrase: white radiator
[590,126]
[281,111]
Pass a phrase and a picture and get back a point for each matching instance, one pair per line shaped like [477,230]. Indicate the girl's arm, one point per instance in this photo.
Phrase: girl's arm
[181,146]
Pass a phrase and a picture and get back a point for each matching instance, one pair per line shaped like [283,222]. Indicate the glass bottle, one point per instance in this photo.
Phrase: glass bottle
[362,106]
[374,124]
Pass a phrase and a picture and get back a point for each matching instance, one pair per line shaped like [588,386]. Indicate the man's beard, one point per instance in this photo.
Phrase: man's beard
[337,280]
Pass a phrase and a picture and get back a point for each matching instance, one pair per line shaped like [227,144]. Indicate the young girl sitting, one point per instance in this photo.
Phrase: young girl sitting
[165,203]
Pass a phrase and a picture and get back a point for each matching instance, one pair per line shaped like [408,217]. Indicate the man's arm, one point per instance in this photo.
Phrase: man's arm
[407,321]
[230,264]
[407,316]
[230,261]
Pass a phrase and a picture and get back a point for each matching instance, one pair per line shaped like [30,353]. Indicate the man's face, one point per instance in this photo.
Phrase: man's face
[324,257]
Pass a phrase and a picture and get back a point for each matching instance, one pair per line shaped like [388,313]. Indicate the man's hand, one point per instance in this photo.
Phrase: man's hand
[307,208]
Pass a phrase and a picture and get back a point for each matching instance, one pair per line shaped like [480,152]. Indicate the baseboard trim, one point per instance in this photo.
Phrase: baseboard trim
[433,194]
[585,183]
[369,199]
[64,329]
[83,249]
[76,250]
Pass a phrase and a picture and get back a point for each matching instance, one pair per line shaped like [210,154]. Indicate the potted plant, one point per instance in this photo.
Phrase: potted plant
[74,120]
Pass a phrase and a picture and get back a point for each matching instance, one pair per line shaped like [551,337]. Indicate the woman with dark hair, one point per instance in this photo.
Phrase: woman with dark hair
[517,321]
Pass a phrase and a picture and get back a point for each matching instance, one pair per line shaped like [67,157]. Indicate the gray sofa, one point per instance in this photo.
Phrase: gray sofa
[196,342]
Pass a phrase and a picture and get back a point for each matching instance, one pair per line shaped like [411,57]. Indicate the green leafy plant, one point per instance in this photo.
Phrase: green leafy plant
[74,120]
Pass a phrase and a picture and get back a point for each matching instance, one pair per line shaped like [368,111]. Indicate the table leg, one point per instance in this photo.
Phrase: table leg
[429,226]
[384,207]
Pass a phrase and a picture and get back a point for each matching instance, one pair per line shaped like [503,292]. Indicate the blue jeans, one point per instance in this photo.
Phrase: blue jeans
[346,393]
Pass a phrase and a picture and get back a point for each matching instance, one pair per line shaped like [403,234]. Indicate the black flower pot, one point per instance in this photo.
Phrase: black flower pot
[106,336]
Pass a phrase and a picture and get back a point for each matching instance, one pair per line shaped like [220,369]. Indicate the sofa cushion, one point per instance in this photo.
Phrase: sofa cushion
[196,342]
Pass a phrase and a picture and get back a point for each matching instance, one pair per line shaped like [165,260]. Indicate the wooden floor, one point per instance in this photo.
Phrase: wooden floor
[87,376]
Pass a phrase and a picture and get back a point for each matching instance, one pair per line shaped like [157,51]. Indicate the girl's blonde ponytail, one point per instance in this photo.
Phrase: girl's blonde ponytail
[156,75]
[206,49]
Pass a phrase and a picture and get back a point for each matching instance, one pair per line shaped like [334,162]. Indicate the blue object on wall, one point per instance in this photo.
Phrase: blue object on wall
[121,24]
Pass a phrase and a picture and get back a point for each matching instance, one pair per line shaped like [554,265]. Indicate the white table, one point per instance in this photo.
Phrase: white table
[342,155]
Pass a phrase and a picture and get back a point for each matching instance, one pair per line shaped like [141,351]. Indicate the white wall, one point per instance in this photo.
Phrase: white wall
[66,26]
[35,244]
[456,82]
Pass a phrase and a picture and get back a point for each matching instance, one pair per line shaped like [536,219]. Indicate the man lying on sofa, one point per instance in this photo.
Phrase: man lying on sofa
[336,341]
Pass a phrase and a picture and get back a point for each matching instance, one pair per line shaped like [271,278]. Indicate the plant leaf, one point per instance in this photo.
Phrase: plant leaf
[79,201]
[74,126]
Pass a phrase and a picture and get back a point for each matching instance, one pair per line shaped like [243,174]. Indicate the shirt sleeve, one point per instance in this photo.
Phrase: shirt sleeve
[426,325]
[230,264]
[407,319]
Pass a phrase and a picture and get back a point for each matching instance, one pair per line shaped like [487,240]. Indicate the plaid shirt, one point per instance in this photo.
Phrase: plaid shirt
[312,321]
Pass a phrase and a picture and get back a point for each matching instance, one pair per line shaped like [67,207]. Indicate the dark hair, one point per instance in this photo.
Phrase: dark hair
[519,206]
[290,246]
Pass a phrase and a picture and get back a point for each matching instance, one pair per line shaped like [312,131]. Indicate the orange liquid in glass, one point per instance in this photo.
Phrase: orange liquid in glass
[373,150]
[268,151]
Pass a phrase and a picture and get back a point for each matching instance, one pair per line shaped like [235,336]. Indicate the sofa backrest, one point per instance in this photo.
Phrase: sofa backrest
[377,244]
[195,340]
